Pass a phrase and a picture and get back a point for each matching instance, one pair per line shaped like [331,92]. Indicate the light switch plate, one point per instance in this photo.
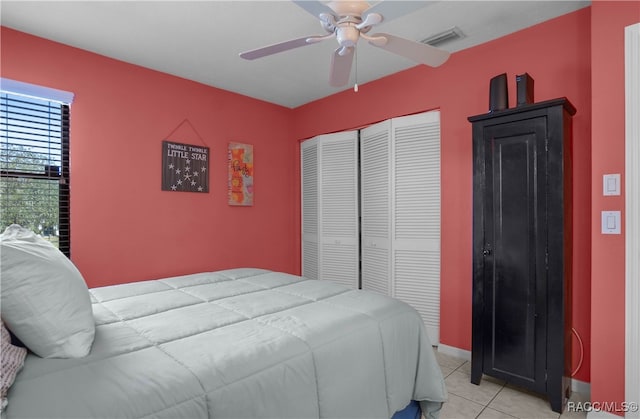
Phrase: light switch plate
[610,222]
[611,184]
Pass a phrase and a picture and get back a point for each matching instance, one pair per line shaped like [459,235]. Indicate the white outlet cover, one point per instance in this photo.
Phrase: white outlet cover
[611,222]
[611,184]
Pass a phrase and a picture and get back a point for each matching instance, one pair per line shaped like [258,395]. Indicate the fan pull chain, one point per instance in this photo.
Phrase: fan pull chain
[355,86]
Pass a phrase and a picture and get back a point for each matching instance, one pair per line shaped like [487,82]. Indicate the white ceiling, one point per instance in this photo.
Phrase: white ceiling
[201,40]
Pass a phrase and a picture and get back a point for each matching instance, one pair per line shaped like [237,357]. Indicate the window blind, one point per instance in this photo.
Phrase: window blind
[34,166]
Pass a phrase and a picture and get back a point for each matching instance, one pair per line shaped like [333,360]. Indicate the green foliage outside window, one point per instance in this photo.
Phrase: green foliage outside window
[30,165]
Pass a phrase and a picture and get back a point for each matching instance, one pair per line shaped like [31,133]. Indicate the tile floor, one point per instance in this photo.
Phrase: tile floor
[493,398]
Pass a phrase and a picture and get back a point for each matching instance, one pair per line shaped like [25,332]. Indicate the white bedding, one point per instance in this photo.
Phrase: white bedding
[241,343]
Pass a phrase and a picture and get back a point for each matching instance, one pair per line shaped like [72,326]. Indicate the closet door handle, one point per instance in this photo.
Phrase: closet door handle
[486,251]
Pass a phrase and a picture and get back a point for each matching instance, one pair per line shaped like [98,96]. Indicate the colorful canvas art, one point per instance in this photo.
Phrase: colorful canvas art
[240,174]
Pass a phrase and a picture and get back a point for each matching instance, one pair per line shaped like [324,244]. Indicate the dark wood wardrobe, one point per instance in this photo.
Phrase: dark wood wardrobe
[521,326]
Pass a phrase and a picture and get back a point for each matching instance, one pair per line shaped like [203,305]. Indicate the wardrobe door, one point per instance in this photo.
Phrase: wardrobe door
[415,215]
[330,233]
[515,278]
[375,207]
[309,162]
[338,215]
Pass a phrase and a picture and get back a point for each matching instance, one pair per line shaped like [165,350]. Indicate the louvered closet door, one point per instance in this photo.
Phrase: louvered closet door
[338,215]
[375,207]
[309,181]
[330,236]
[416,215]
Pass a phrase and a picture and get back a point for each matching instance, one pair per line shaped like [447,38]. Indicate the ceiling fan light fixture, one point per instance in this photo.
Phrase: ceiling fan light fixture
[347,36]
[443,37]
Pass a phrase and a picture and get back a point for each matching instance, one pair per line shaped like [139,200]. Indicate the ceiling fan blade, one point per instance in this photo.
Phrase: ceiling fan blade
[341,61]
[280,47]
[416,51]
[315,7]
[391,9]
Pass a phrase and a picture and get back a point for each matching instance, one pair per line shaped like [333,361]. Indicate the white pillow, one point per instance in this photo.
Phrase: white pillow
[45,300]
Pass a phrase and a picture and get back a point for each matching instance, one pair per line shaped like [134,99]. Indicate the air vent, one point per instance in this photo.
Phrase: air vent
[443,37]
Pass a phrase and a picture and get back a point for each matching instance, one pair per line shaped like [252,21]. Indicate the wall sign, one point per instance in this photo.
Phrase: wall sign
[240,174]
[185,167]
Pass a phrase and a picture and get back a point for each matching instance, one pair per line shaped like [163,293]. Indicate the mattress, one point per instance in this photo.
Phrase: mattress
[239,343]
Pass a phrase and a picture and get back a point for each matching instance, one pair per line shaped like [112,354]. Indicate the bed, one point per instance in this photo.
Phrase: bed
[238,343]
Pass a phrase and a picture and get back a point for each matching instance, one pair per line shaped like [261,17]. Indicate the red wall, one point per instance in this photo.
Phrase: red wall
[557,55]
[608,20]
[124,227]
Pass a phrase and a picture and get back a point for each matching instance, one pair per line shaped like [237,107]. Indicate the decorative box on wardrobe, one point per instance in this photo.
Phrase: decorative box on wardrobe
[521,327]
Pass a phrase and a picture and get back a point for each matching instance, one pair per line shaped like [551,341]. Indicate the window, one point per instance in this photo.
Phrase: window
[34,166]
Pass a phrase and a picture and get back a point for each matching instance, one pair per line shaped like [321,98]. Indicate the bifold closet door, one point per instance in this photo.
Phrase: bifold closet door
[330,215]
[400,209]
[375,207]
[309,184]
[415,215]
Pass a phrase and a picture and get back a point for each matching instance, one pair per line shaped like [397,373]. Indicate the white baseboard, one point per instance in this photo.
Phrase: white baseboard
[453,351]
[581,387]
[599,414]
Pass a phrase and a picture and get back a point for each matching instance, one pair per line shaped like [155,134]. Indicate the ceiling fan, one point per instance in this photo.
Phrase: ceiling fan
[348,21]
